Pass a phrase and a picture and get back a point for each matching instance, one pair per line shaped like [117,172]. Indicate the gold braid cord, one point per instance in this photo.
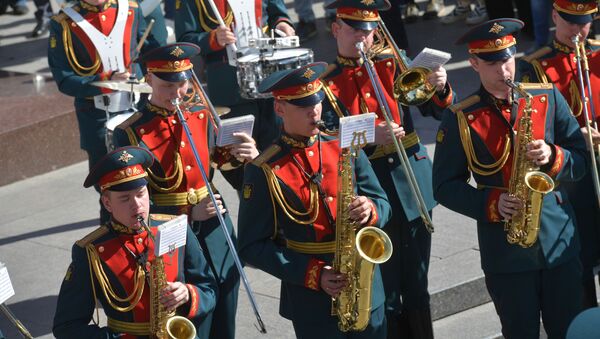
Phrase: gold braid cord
[178,172]
[275,189]
[133,299]
[474,164]
[72,58]
[203,13]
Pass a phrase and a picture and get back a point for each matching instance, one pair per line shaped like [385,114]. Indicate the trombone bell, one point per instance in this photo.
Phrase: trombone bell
[412,88]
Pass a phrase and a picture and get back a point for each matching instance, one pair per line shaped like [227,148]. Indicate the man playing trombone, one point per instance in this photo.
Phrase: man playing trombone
[502,135]
[176,184]
[348,80]
[556,63]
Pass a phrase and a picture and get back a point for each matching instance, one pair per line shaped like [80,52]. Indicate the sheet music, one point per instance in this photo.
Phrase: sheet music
[358,128]
[6,288]
[430,58]
[245,124]
[171,235]
[245,22]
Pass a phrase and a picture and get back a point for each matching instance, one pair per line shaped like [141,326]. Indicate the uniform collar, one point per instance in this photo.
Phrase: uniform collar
[95,9]
[349,62]
[294,143]
[122,229]
[492,100]
[561,47]
[159,110]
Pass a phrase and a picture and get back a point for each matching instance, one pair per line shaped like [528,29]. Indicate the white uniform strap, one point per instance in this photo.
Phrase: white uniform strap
[110,48]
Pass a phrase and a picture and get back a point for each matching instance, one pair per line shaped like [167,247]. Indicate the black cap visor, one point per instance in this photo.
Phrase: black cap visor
[310,100]
[576,19]
[174,76]
[499,55]
[362,25]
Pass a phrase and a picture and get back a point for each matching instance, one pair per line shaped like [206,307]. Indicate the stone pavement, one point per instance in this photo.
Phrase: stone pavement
[44,215]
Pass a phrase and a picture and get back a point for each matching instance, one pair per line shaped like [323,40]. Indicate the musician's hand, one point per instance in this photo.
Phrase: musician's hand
[224,36]
[205,209]
[246,150]
[382,133]
[360,210]
[508,206]
[120,76]
[286,28]
[332,283]
[174,295]
[595,135]
[539,152]
[438,78]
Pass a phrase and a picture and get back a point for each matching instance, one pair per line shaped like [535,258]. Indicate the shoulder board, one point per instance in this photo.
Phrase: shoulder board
[133,4]
[330,68]
[537,54]
[535,85]
[125,124]
[60,17]
[162,217]
[266,155]
[95,234]
[473,99]
[593,42]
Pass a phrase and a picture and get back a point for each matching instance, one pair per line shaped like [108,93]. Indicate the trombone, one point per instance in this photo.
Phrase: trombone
[385,110]
[411,87]
[583,71]
[18,324]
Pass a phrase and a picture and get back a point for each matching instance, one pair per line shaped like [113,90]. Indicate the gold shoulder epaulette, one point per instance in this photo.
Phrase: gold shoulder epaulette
[473,99]
[60,17]
[133,4]
[266,155]
[95,234]
[133,118]
[330,68]
[537,54]
[535,85]
[162,217]
[593,42]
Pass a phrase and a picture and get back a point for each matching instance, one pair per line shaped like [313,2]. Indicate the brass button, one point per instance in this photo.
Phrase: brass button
[574,59]
[201,115]
[142,131]
[188,168]
[183,144]
[73,24]
[391,160]
[543,99]
[544,63]
[174,122]
[329,199]
[359,73]
[101,249]
[367,95]
[507,110]
[330,83]
[470,117]
[277,167]
[388,64]
[311,153]
[103,17]
[140,241]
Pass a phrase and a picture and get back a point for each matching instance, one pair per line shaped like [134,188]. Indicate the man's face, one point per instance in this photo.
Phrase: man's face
[299,121]
[126,206]
[565,30]
[165,91]
[493,74]
[347,37]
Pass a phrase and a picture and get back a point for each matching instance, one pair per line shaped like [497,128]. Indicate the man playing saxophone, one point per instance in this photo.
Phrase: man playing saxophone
[405,274]
[287,217]
[111,265]
[478,137]
[555,63]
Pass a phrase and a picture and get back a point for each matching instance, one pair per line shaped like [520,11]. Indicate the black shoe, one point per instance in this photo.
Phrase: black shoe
[20,10]
[306,30]
[41,28]
[330,19]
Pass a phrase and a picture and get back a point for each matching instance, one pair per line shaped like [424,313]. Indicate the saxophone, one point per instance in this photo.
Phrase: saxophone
[355,254]
[163,324]
[526,181]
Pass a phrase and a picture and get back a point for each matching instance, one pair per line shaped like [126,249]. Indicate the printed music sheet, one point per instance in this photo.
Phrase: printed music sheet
[359,129]
[245,124]
[171,235]
[430,58]
[6,288]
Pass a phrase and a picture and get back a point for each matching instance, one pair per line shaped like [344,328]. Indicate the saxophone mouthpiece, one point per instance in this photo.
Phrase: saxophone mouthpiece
[175,102]
[360,46]
[575,39]
[321,125]
[140,219]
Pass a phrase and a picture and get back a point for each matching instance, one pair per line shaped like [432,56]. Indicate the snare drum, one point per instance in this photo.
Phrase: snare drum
[254,68]
[111,124]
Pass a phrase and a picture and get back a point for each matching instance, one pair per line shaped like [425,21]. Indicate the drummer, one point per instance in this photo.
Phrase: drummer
[175,182]
[77,57]
[197,25]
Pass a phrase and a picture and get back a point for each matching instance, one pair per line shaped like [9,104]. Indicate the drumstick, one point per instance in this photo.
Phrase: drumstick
[221,22]
[144,36]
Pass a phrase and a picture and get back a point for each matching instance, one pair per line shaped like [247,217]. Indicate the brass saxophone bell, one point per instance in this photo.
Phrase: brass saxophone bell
[179,327]
[412,88]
